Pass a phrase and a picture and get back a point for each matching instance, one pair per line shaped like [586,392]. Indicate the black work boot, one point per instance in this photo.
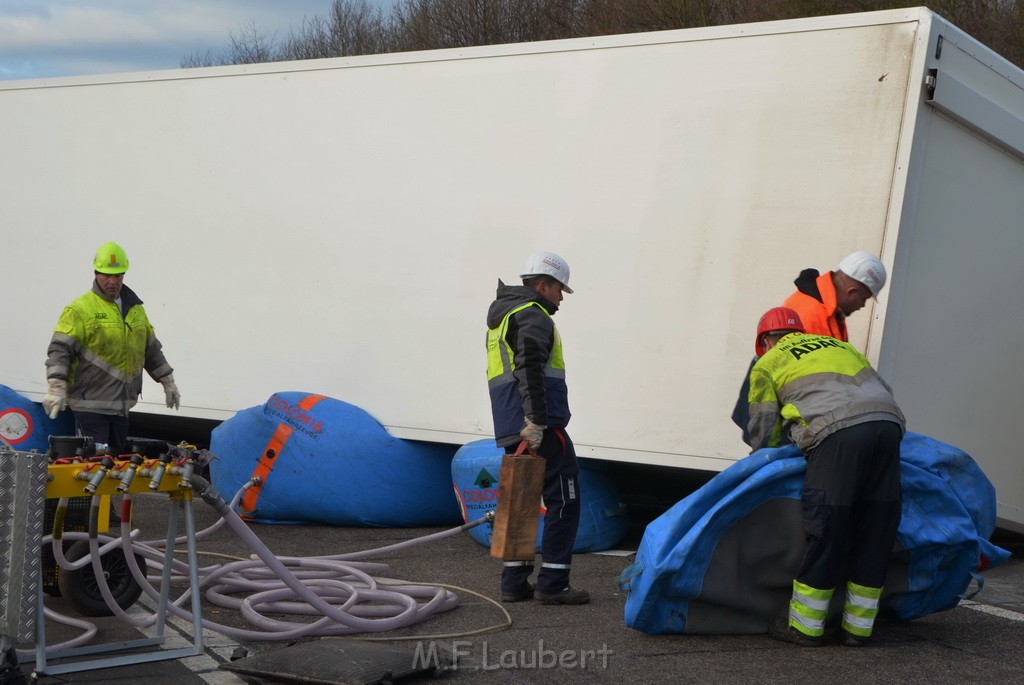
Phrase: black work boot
[851,640]
[780,629]
[569,595]
[519,595]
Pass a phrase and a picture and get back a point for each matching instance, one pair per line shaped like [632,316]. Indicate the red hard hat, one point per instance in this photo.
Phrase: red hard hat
[776,319]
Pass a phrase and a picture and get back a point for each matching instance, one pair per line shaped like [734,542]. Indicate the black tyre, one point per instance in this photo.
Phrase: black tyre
[81,588]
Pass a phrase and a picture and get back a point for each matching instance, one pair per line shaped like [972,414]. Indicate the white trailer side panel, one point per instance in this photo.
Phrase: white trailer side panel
[952,336]
[338,226]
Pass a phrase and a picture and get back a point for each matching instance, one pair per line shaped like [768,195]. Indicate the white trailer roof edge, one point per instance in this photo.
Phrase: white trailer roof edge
[698,34]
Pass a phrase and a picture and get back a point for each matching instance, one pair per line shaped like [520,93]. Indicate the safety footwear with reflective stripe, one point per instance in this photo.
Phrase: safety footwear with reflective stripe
[569,595]
[521,595]
[780,629]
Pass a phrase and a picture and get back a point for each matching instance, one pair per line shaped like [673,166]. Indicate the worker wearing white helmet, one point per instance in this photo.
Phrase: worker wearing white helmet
[102,343]
[823,301]
[530,402]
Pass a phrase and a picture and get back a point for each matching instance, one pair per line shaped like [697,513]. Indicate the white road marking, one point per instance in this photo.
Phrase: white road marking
[178,634]
[995,611]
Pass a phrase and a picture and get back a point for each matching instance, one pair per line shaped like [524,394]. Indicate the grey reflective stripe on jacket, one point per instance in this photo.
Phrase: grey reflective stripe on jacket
[816,406]
[829,402]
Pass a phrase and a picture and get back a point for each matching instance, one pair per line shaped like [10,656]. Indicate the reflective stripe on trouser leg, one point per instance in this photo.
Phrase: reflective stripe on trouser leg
[514,574]
[860,609]
[808,609]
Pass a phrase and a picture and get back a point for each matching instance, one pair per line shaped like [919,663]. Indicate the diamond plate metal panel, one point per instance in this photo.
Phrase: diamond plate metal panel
[22,508]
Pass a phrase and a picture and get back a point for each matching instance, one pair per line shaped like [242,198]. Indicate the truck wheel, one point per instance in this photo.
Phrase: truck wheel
[82,590]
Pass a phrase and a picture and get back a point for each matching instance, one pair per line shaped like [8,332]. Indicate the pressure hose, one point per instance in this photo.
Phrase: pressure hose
[341,591]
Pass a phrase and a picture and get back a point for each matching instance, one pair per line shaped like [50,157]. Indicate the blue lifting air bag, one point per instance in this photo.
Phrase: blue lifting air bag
[327,461]
[723,559]
[603,517]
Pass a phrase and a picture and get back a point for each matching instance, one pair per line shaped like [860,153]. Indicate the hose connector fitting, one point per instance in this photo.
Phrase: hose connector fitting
[158,472]
[97,478]
[128,475]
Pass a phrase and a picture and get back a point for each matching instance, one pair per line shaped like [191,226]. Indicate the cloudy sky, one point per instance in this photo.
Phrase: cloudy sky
[47,38]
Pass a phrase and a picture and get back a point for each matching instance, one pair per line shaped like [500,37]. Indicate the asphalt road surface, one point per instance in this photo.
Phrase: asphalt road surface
[978,641]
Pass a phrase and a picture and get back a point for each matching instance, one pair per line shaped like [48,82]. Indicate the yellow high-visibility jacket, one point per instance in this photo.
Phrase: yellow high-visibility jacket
[101,352]
[525,363]
[813,386]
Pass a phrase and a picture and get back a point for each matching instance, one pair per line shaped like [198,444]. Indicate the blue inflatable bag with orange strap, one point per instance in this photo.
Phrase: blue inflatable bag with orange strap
[321,460]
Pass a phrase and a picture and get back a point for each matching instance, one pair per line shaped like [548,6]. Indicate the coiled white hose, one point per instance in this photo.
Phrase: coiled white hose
[339,590]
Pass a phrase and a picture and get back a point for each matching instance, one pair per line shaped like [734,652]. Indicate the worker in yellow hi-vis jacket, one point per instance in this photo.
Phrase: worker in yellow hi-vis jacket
[100,347]
[824,394]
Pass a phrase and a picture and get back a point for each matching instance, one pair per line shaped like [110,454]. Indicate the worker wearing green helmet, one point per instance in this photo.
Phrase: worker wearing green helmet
[102,343]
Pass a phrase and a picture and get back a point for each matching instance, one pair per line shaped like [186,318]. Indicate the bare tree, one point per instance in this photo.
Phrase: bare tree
[428,24]
[354,27]
[251,46]
[197,59]
[631,16]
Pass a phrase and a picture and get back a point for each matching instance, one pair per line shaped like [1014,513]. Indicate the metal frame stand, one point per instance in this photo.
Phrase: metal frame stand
[42,669]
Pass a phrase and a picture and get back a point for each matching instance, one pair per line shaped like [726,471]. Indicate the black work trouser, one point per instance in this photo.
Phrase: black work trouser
[561,519]
[852,498]
[109,429]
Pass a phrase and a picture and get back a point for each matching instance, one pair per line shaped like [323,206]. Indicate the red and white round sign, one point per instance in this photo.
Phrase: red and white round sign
[15,425]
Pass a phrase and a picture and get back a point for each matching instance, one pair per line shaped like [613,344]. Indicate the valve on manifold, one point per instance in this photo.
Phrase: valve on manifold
[158,472]
[97,478]
[128,475]
[186,472]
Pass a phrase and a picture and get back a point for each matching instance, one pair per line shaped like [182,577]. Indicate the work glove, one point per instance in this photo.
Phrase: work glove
[56,398]
[171,393]
[532,434]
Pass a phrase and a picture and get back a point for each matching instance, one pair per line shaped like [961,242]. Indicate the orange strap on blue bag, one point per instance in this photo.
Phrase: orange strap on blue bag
[266,461]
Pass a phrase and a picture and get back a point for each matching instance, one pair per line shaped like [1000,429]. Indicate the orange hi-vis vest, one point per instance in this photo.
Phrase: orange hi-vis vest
[820,318]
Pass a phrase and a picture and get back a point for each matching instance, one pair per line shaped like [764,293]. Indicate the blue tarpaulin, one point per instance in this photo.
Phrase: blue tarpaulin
[722,560]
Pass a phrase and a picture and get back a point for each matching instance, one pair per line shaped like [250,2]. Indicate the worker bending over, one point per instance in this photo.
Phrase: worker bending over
[837,410]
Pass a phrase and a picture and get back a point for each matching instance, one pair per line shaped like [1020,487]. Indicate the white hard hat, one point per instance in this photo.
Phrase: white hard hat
[865,268]
[547,264]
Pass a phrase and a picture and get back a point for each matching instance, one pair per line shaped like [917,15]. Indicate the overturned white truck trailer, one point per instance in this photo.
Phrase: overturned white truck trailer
[338,226]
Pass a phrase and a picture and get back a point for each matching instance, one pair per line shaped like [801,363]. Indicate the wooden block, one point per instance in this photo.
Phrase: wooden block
[520,487]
